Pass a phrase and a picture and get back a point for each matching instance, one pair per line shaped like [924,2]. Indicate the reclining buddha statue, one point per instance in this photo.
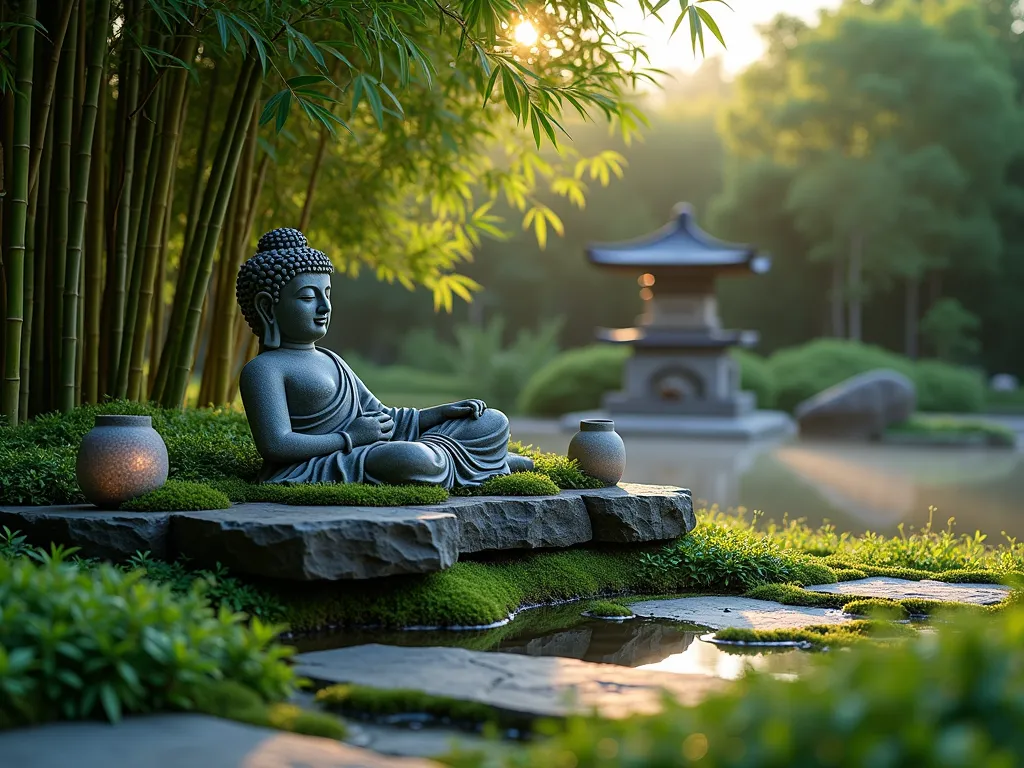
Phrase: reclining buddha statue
[314,421]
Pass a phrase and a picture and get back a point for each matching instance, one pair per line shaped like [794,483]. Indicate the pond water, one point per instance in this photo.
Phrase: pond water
[562,631]
[856,487]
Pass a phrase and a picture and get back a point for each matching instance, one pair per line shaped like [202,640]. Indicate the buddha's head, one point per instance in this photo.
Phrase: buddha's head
[285,290]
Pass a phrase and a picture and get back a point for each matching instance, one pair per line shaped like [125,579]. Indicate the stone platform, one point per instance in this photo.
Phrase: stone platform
[334,543]
[756,425]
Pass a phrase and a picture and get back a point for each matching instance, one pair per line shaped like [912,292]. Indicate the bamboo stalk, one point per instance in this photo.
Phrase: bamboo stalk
[197,179]
[120,210]
[39,382]
[61,208]
[136,323]
[48,84]
[15,257]
[196,265]
[76,236]
[318,159]
[157,212]
[96,242]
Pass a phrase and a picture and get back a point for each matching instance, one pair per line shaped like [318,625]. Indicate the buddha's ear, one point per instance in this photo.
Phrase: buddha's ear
[271,337]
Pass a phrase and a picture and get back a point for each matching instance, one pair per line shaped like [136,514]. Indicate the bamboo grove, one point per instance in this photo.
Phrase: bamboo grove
[146,143]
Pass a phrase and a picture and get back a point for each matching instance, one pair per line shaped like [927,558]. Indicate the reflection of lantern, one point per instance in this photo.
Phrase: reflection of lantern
[121,458]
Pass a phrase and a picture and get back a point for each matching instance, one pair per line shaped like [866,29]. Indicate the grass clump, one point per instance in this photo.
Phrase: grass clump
[516,484]
[563,471]
[954,556]
[179,496]
[716,557]
[820,636]
[367,701]
[232,701]
[606,609]
[878,609]
[79,644]
[790,594]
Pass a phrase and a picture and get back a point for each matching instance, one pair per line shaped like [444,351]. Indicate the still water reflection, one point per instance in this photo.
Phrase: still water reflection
[561,631]
[857,487]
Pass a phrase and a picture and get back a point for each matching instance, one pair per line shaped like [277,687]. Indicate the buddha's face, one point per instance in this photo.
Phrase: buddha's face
[304,309]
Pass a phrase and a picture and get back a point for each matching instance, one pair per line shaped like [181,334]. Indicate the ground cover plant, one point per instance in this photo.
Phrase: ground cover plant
[821,636]
[955,430]
[949,698]
[85,643]
[930,549]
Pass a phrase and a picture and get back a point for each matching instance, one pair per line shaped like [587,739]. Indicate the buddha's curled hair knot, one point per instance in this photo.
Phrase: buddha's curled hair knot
[280,255]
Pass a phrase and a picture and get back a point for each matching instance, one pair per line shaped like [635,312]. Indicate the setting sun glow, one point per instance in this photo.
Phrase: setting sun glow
[525,33]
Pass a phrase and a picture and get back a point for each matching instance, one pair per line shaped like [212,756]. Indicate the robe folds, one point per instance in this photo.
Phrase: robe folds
[467,451]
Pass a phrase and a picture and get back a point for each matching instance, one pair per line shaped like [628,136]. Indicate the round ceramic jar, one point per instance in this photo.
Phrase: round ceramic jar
[122,457]
[599,450]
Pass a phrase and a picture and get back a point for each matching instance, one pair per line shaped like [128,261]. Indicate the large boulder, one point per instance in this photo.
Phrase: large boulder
[860,408]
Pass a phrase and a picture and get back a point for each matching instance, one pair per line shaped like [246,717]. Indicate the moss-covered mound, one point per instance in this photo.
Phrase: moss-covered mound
[820,636]
[517,484]
[367,702]
[179,496]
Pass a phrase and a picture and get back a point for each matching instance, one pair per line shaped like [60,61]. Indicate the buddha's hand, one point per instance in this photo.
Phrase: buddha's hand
[366,430]
[465,409]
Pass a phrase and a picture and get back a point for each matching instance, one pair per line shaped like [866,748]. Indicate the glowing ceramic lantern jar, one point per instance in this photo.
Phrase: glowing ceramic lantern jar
[121,458]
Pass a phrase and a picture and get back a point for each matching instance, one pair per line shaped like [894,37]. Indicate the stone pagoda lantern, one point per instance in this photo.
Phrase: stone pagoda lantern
[681,378]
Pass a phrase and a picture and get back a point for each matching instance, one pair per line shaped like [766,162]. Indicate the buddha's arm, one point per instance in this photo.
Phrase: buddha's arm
[266,407]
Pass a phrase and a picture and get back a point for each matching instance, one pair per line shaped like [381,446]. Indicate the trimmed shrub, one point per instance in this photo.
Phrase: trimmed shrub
[577,380]
[948,388]
[178,496]
[801,372]
[81,643]
[574,381]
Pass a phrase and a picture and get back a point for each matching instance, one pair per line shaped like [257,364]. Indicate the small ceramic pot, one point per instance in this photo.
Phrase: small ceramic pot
[599,450]
[122,457]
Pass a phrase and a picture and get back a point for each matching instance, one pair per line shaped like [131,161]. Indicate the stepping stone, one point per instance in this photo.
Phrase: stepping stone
[739,612]
[333,543]
[176,741]
[899,589]
[512,683]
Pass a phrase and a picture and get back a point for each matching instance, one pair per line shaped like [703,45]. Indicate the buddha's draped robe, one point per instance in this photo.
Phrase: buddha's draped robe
[468,451]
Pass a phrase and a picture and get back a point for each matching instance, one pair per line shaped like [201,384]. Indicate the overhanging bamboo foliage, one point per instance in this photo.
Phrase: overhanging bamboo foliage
[148,142]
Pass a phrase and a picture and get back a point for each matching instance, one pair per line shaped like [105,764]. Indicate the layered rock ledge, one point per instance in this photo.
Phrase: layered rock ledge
[335,543]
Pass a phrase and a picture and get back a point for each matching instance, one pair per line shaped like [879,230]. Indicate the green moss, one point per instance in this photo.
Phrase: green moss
[563,471]
[849,574]
[820,636]
[333,494]
[179,496]
[516,484]
[379,702]
[877,608]
[790,594]
[470,593]
[953,429]
[232,701]
[606,609]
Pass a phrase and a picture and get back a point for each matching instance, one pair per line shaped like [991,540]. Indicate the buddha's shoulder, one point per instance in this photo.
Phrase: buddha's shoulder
[264,365]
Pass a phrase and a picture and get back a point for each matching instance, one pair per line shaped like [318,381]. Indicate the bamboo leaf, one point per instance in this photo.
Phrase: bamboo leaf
[312,49]
[394,99]
[301,80]
[511,93]
[282,110]
[712,25]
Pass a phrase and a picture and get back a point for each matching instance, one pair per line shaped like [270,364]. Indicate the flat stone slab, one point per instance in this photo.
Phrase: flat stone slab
[334,543]
[176,741]
[738,612]
[96,532]
[314,543]
[900,589]
[514,683]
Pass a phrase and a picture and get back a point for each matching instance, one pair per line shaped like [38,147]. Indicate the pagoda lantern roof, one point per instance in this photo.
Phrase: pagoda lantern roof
[679,247]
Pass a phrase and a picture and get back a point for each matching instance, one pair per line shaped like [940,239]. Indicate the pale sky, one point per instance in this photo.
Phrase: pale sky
[739,28]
